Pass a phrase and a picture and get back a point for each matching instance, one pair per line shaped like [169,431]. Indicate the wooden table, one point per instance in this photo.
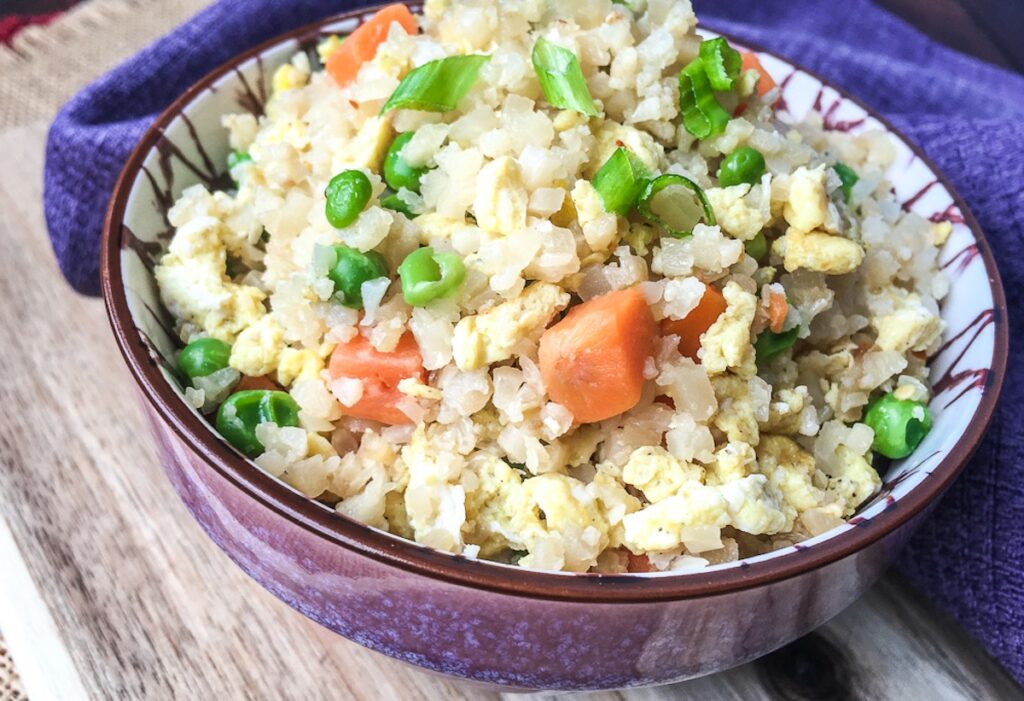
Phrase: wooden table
[108,589]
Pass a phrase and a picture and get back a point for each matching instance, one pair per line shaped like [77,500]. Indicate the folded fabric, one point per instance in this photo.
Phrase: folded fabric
[968,117]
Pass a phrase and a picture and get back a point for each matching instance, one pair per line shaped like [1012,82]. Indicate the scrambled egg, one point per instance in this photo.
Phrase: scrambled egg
[370,144]
[298,364]
[742,210]
[909,327]
[791,470]
[288,77]
[491,336]
[806,207]
[436,507]
[735,417]
[501,197]
[600,228]
[656,473]
[258,348]
[573,521]
[749,504]
[327,47]
[854,482]
[838,490]
[819,252]
[195,287]
[499,513]
[726,345]
[612,136]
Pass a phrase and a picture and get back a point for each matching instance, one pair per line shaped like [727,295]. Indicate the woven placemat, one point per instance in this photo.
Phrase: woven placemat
[10,685]
[45,65]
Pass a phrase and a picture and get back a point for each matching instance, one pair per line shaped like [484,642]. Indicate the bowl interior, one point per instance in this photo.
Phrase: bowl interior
[188,145]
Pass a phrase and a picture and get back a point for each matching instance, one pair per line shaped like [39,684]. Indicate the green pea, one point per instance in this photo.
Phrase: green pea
[347,196]
[770,344]
[899,425]
[427,276]
[242,412]
[393,202]
[848,177]
[744,165]
[351,269]
[397,171]
[236,158]
[203,357]
[757,247]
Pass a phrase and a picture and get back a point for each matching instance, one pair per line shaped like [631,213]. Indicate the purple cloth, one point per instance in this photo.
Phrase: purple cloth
[968,116]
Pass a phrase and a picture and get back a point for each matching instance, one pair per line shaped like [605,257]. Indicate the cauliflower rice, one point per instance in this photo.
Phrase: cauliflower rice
[719,459]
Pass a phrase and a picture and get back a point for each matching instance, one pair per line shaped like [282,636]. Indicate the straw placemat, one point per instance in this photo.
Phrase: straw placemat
[10,686]
[45,65]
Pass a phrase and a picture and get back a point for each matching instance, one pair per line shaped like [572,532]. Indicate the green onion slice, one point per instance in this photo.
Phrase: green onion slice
[703,116]
[722,64]
[770,344]
[620,181]
[848,176]
[561,78]
[437,86]
[676,203]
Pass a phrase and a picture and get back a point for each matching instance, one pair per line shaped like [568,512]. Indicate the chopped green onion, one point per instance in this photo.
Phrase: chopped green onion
[676,203]
[236,158]
[702,115]
[757,247]
[899,425]
[770,344]
[392,201]
[437,86]
[427,276]
[722,64]
[561,78]
[848,176]
[620,181]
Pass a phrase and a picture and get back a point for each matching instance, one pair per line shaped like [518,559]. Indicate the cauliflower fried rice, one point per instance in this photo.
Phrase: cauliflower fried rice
[729,438]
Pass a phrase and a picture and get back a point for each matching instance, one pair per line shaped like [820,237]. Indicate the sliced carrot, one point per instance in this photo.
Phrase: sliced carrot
[380,374]
[766,84]
[593,359]
[778,309]
[696,323]
[639,563]
[361,45]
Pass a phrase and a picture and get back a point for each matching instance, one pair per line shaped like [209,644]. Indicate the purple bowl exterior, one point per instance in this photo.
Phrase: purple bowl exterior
[499,638]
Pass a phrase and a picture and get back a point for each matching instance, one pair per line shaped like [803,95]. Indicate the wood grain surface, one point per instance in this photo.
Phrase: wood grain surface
[144,606]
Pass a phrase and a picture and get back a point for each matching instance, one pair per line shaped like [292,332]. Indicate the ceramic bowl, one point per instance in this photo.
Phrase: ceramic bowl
[499,624]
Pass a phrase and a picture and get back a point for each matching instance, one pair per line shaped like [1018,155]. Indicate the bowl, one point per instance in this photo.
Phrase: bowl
[498,624]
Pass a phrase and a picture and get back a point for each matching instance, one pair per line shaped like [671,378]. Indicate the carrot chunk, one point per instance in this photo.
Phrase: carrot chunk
[778,309]
[362,44]
[767,83]
[380,374]
[696,323]
[593,360]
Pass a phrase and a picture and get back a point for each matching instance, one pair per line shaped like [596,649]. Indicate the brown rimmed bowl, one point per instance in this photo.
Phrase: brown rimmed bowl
[503,625]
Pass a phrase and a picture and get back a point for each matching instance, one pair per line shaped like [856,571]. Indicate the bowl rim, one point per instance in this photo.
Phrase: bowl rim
[412,557]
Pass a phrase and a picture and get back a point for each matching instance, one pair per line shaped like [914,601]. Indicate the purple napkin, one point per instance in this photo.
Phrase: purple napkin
[968,116]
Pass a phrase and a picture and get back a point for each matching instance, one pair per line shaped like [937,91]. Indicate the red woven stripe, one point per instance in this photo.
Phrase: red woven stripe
[12,24]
